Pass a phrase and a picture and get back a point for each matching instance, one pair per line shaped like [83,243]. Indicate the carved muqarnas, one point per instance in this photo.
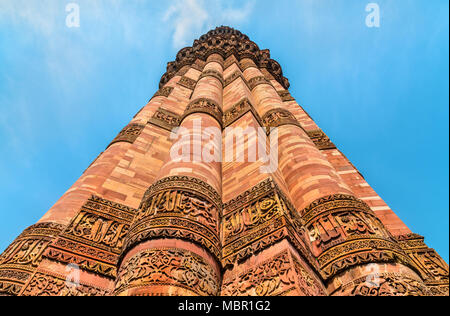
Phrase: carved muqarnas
[94,238]
[179,207]
[168,268]
[129,134]
[226,42]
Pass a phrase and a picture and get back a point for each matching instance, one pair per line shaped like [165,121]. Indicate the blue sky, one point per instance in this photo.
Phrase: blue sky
[381,94]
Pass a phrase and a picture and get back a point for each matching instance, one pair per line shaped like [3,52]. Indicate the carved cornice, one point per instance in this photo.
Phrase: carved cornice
[225,41]
[165,119]
[204,105]
[321,140]
[129,134]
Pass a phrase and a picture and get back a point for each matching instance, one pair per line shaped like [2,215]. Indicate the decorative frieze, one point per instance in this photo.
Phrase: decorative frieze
[285,96]
[256,220]
[187,82]
[256,81]
[433,269]
[344,232]
[45,284]
[239,110]
[384,284]
[129,134]
[94,238]
[321,140]
[275,277]
[212,73]
[23,256]
[179,207]
[204,105]
[165,119]
[169,268]
[279,117]
[225,42]
[280,275]
[235,75]
[163,92]
[245,64]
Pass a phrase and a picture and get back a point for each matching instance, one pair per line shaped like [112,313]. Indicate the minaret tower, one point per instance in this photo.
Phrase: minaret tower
[140,222]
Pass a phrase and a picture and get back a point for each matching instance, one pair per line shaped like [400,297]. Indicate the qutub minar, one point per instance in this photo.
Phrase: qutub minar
[138,222]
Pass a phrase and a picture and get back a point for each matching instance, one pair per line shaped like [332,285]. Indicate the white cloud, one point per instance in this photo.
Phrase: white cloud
[190,18]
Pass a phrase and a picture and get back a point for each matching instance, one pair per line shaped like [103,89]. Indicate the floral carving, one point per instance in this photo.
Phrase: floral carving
[169,267]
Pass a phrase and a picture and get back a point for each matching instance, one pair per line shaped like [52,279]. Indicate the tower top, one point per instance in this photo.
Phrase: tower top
[225,41]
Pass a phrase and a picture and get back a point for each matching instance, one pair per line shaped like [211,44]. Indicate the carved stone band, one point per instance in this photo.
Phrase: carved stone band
[212,73]
[256,220]
[256,81]
[433,269]
[239,110]
[321,140]
[179,207]
[20,260]
[187,82]
[94,238]
[285,96]
[165,119]
[345,232]
[279,117]
[129,134]
[176,268]
[385,284]
[206,106]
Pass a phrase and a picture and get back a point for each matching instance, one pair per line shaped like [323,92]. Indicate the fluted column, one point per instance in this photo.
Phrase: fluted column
[176,231]
[348,240]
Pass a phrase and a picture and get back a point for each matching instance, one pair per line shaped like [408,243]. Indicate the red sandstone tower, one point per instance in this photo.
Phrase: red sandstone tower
[139,222]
